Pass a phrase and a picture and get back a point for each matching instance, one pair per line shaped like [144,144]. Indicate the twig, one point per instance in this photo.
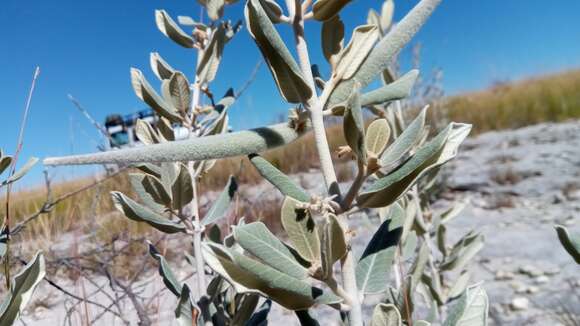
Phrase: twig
[13,169]
[86,113]
[250,79]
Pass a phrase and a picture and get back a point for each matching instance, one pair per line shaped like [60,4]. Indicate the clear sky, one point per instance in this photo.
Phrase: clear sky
[86,48]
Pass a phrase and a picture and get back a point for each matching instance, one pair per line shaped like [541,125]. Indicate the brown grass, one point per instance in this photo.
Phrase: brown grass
[553,97]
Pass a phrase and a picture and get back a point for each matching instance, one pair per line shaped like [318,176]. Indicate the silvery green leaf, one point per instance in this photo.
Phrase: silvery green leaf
[419,264]
[165,129]
[435,153]
[5,162]
[278,179]
[421,323]
[231,144]
[147,94]
[180,94]
[169,174]
[470,310]
[409,245]
[397,90]
[383,53]
[405,142]
[151,191]
[246,308]
[301,229]
[377,136]
[332,38]
[260,316]
[460,285]
[387,11]
[212,56]
[22,171]
[373,18]
[463,251]
[182,188]
[375,264]
[215,8]
[453,212]
[148,168]
[433,285]
[373,271]
[283,67]
[353,126]
[333,245]
[222,203]
[441,245]
[261,243]
[165,271]
[139,213]
[570,242]
[145,133]
[386,315]
[326,9]
[170,29]
[273,10]
[186,20]
[160,67]
[186,312]
[361,42]
[21,290]
[252,275]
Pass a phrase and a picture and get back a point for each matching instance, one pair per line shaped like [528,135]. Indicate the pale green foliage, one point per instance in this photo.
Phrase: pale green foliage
[570,242]
[397,168]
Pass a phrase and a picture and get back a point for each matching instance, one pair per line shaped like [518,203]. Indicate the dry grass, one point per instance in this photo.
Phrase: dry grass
[547,98]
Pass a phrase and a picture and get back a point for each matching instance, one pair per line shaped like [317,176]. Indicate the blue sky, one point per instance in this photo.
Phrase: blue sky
[86,48]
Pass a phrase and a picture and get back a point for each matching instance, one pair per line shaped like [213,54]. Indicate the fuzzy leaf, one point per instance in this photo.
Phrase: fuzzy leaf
[332,38]
[405,142]
[361,42]
[212,56]
[160,67]
[281,181]
[382,54]
[170,29]
[397,90]
[215,8]
[470,310]
[165,271]
[255,276]
[186,313]
[180,94]
[139,213]
[182,188]
[570,243]
[22,287]
[463,251]
[375,264]
[145,133]
[260,316]
[261,243]
[387,11]
[301,229]
[222,203]
[273,10]
[22,171]
[326,9]
[353,126]
[386,315]
[5,162]
[435,153]
[147,94]
[460,285]
[377,136]
[284,69]
[333,245]
[151,191]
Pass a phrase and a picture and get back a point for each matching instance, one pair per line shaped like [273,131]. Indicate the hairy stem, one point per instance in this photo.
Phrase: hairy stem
[197,232]
[313,105]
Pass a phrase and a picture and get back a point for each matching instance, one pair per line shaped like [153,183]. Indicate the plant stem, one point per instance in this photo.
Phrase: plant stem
[314,106]
[197,232]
